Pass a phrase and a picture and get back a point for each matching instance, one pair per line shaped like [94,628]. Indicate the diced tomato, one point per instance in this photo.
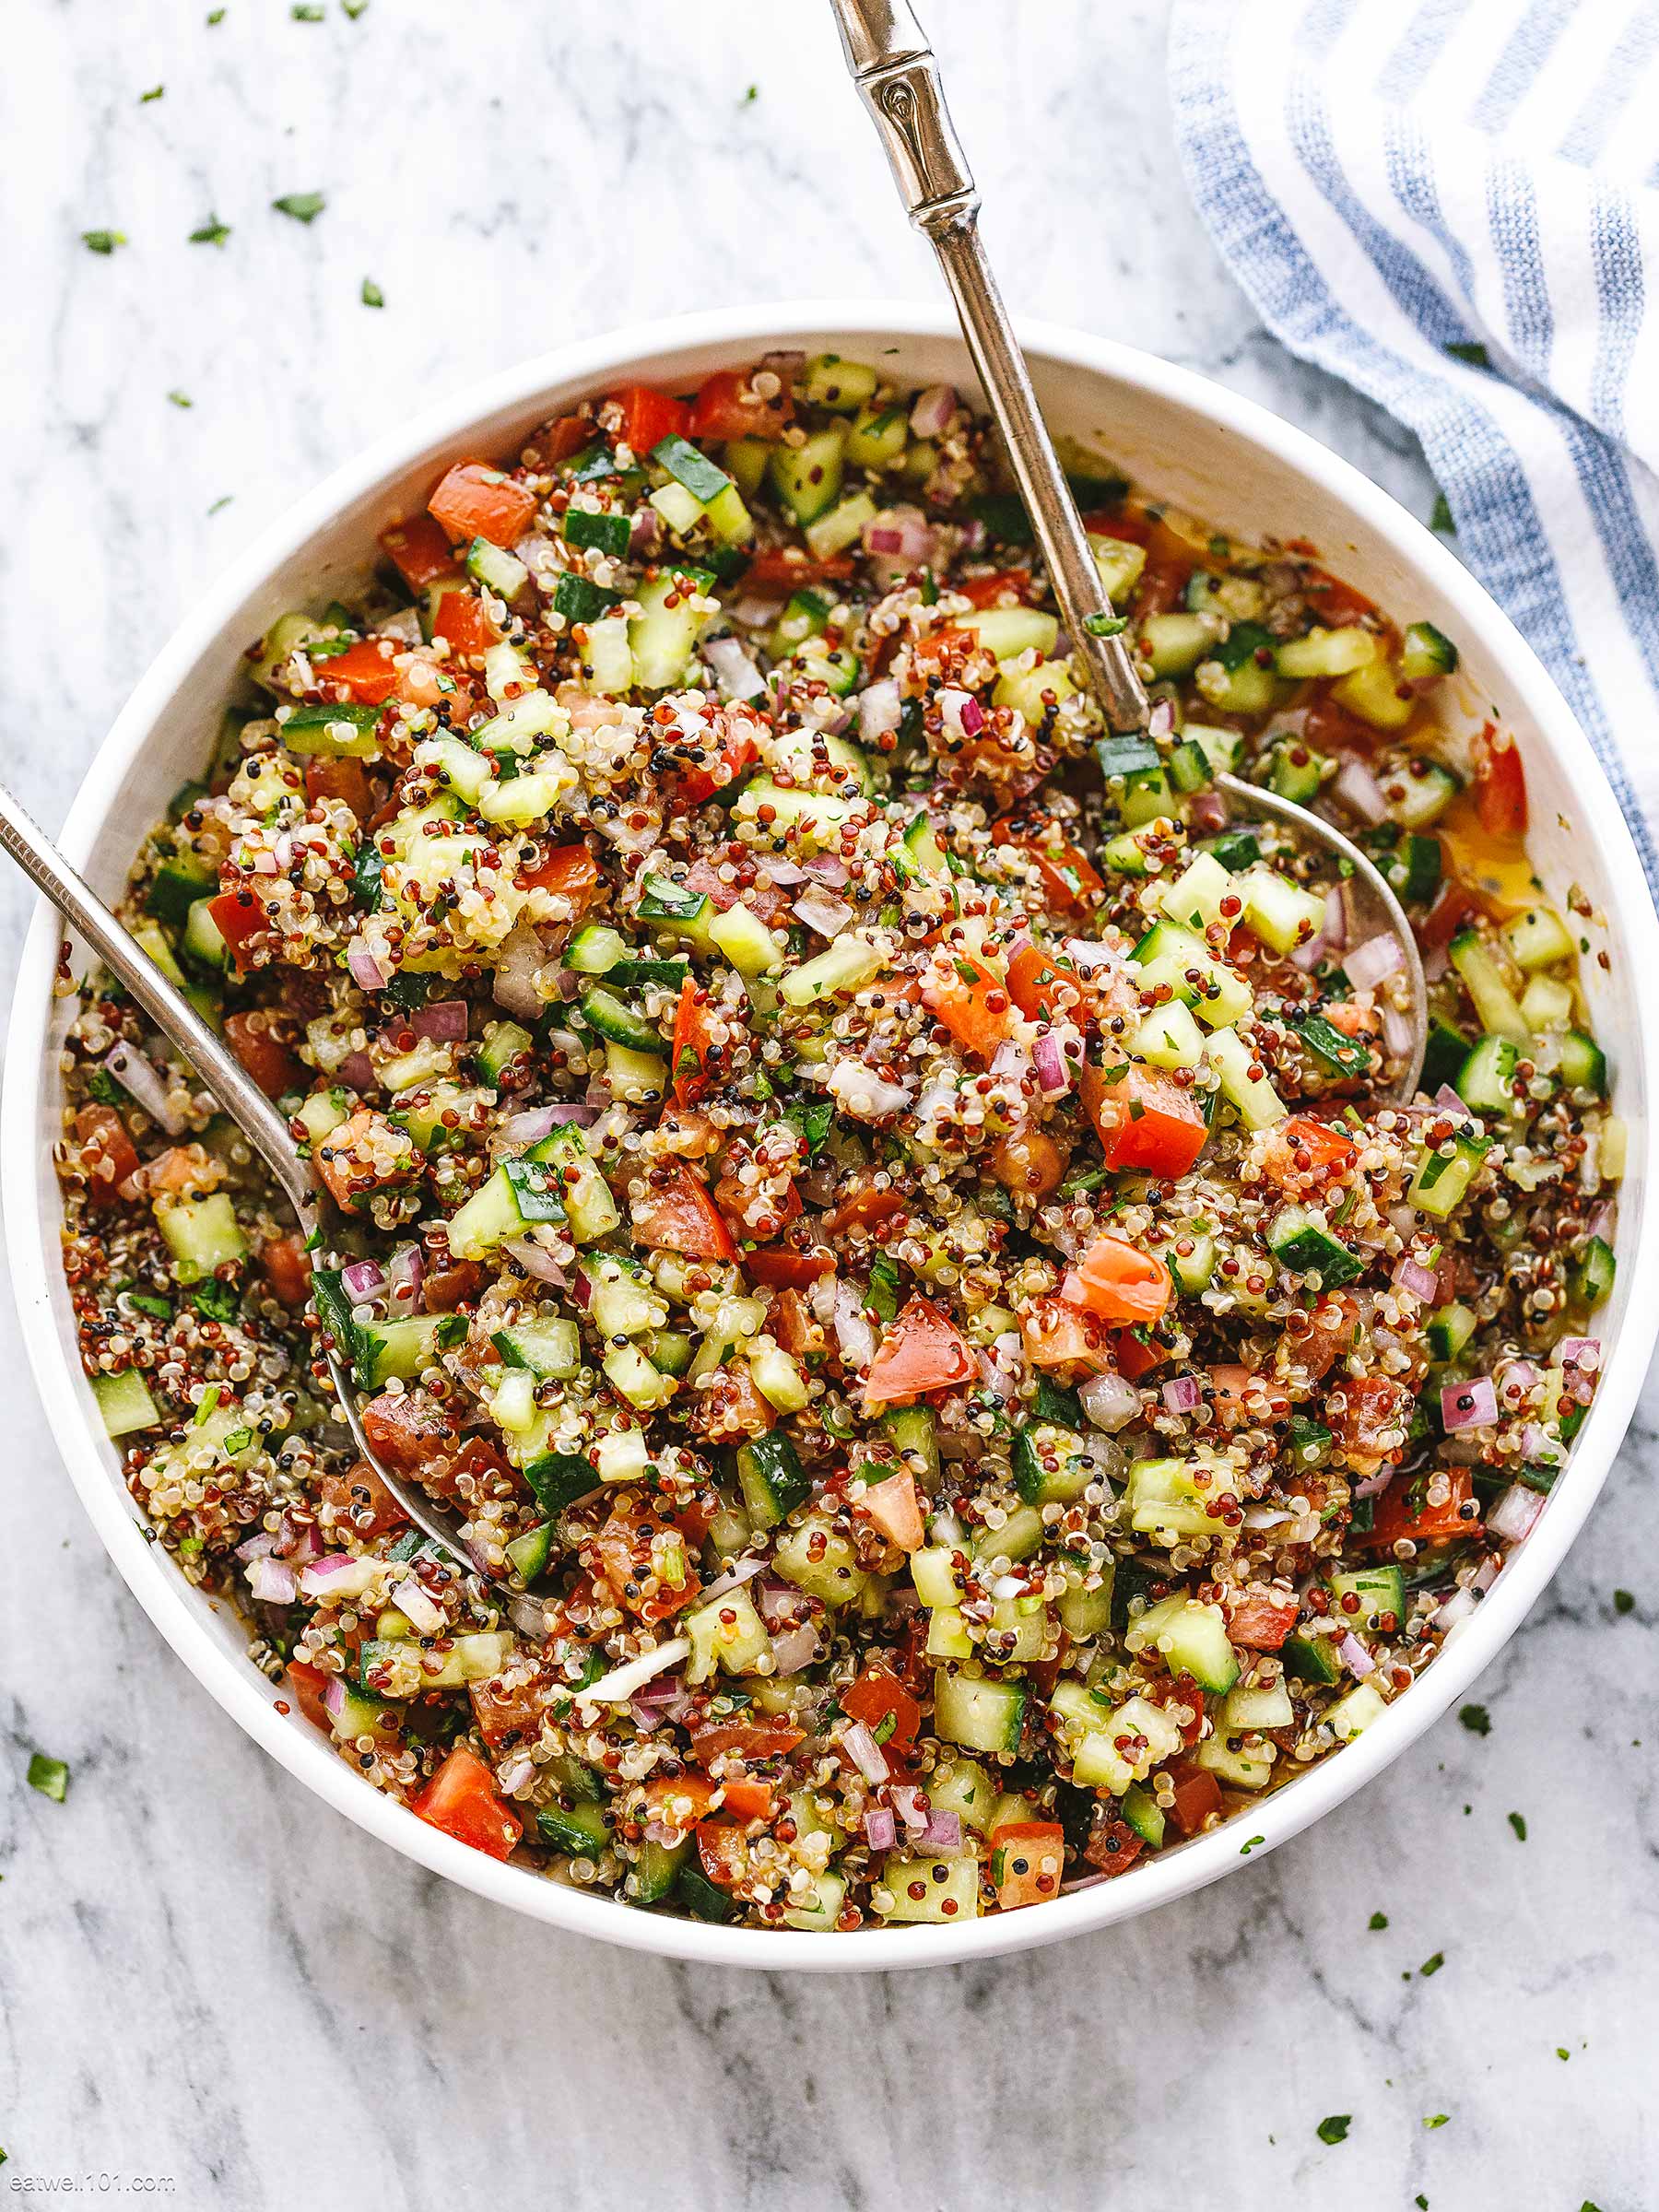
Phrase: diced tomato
[1499,784]
[783,569]
[632,1548]
[410,1432]
[461,1800]
[1039,986]
[238,916]
[507,1707]
[792,1324]
[448,1283]
[1130,1357]
[464,624]
[719,1848]
[1120,522]
[970,997]
[730,1406]
[1334,604]
[1112,1845]
[748,1800]
[1197,1796]
[877,1698]
[286,1264]
[361,1501]
[363,673]
[108,1153]
[568,871]
[696,784]
[1067,877]
[475,501]
[679,1215]
[419,551]
[1239,1396]
[749,1739]
[1028,1858]
[785,1267]
[866,1204]
[1403,1510]
[1370,1414]
[1144,1119]
[565,437]
[1331,729]
[693,1033]
[1302,1152]
[343,778]
[1260,1619]
[679,1800]
[1120,1282]
[1062,1337]
[728,406]
[262,1051]
[648,416]
[365,1155]
[895,1509]
[921,1350]
[309,1683]
[1001,585]
[1162,587]
[1453,906]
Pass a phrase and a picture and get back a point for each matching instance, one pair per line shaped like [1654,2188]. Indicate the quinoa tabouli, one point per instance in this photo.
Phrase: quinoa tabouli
[874,1203]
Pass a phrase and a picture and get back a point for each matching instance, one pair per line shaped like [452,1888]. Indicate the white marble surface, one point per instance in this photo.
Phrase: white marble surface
[204,1974]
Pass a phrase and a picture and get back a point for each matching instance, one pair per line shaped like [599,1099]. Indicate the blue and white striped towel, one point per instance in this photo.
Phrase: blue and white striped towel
[1391,179]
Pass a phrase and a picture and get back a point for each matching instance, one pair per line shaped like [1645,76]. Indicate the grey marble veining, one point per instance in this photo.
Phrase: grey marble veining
[204,1974]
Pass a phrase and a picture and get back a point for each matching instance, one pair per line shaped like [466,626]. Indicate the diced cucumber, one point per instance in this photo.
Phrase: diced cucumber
[809,476]
[125,1402]
[1195,1269]
[1419,793]
[621,1301]
[551,1349]
[589,1207]
[178,884]
[1537,938]
[204,944]
[1005,632]
[818,1907]
[1584,1067]
[1120,564]
[1281,914]
[1350,1715]
[1238,1768]
[1593,1275]
[663,636]
[1019,1536]
[1413,867]
[878,437]
[1051,1466]
[809,820]
[1426,653]
[608,661]
[929,1889]
[402,1348]
[1486,1080]
[1174,644]
[605,1012]
[1328,653]
[1333,1048]
[1546,1003]
[831,382]
[280,643]
[1168,1037]
[1311,1659]
[843,526]
[816,1557]
[1194,900]
[1165,1501]
[1443,1177]
[1375,694]
[947,1635]
[643,1384]
[1084,1612]
[963,1787]
[934,1572]
[332,732]
[1494,1000]
[1445,1052]
[1147,798]
[771,1478]
[1191,1637]
[1379,1593]
[1144,1817]
[637,1078]
[912,1431]
[680,509]
[500,571]
[726,1633]
[1238,677]
[743,938]
[778,1379]
[560,1478]
[1223,748]
[1295,772]
[202,1235]
[1448,1329]
[846,966]
[1263,1706]
[1258,1103]
[582,1832]
[978,1712]
[1301,1241]
[1217,991]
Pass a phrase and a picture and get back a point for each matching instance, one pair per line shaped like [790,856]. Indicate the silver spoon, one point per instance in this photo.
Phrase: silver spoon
[894,67]
[233,1089]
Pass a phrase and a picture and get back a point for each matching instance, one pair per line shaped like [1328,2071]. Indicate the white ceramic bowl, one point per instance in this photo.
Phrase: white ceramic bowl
[1219,456]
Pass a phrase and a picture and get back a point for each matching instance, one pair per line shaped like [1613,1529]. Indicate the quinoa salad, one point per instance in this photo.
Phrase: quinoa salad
[871,1199]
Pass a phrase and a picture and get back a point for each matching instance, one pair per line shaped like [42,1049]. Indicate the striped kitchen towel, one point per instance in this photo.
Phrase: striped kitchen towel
[1452,203]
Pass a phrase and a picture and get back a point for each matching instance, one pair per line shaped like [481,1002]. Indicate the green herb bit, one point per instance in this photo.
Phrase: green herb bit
[1470,351]
[371,295]
[1436,2119]
[305,206]
[1624,1601]
[1518,1822]
[1432,1966]
[1245,1849]
[1475,1719]
[212,233]
[1378,1919]
[154,92]
[1441,519]
[1334,2127]
[301,13]
[50,1776]
[1105,626]
[180,399]
[102,242]
[224,502]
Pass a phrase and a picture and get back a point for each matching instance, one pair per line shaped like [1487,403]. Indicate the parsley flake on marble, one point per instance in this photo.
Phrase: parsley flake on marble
[354,8]
[303,13]
[211,233]
[1518,1822]
[305,206]
[1334,2127]
[1432,1966]
[372,296]
[1436,2119]
[1475,1719]
[102,242]
[50,1776]
[180,399]
[154,92]
[1624,1601]
[1378,1919]
[224,502]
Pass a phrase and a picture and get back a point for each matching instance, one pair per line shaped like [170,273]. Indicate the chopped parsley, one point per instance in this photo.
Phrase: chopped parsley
[50,1776]
[1105,626]
[1518,1822]
[1377,1920]
[1470,351]
[1441,519]
[102,242]
[1475,1719]
[371,294]
[302,12]
[214,15]
[1334,2127]
[1624,1601]
[223,502]
[102,1086]
[180,399]
[1436,2119]
[353,8]
[1245,1849]
[303,207]
[211,233]
[154,92]
[1432,1966]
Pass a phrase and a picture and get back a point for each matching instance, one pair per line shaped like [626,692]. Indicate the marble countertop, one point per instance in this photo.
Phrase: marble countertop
[207,1977]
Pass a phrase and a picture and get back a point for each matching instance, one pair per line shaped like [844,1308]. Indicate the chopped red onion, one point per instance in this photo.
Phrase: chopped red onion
[795,1647]
[964,717]
[943,1833]
[882,537]
[1472,1404]
[755,613]
[273,1582]
[1054,1071]
[1603,1220]
[644,530]
[881,1830]
[1308,957]
[538,1262]
[1160,721]
[1455,1609]
[1111,1402]
[1515,1515]
[934,409]
[854,1334]
[1368,964]
[334,1697]
[1411,1275]
[1447,1101]
[1397,1032]
[1333,929]
[256,1547]
[366,971]
[1182,1394]
[865,1752]
[1374,1485]
[911,1808]
[734,668]
[419,1607]
[1082,1881]
[526,1128]
[733,1579]
[519,960]
[1208,814]
[356,1072]
[780,1603]
[363,1279]
[1522,1375]
[1537,1444]
[1579,1354]
[1356,787]
[624,1681]
[879,709]
[1355,1656]
[337,1574]
[828,867]
[822,911]
[784,365]
[444,1020]
[142,1084]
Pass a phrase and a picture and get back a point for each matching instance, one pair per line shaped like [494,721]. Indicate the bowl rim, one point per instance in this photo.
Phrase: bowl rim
[252,1702]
